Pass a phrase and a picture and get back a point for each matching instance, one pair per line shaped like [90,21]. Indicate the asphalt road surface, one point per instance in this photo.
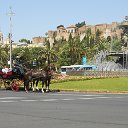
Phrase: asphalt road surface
[63,110]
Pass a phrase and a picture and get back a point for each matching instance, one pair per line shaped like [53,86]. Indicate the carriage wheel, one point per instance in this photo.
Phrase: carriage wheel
[15,85]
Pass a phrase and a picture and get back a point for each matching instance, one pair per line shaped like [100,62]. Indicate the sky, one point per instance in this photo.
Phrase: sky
[34,18]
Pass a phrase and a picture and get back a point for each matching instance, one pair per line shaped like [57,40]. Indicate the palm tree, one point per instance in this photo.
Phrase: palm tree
[50,53]
[71,48]
[64,55]
[88,44]
[93,43]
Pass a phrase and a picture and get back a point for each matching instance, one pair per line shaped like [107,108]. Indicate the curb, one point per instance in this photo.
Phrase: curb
[101,92]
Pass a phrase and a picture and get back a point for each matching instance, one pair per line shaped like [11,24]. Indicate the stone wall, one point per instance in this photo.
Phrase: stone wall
[38,39]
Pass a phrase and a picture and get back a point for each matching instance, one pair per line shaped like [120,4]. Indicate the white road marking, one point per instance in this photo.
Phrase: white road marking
[4,98]
[8,101]
[49,100]
[102,97]
[86,98]
[67,99]
[29,100]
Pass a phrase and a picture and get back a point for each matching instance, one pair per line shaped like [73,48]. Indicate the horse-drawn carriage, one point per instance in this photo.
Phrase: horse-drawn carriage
[10,80]
[19,76]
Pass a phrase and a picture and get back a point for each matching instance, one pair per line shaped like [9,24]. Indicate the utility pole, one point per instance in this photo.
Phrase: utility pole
[10,14]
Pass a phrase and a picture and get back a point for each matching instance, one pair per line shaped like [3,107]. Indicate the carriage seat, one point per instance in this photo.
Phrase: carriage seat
[7,75]
[7,71]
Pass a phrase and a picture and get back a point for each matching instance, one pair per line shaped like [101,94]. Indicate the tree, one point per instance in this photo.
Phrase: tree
[29,55]
[93,43]
[70,51]
[116,45]
[50,53]
[64,55]
[25,40]
[88,43]
[23,53]
[80,24]
[124,27]
[4,56]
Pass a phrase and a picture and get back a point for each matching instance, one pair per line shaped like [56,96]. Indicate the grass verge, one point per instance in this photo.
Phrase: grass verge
[102,85]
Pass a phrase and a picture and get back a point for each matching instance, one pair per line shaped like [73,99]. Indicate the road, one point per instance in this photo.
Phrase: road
[63,110]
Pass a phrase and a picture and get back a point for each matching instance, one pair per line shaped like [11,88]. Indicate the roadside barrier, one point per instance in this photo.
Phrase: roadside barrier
[95,73]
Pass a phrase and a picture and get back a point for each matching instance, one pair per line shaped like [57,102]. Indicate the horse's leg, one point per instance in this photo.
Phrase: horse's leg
[33,83]
[48,84]
[26,85]
[43,82]
[37,81]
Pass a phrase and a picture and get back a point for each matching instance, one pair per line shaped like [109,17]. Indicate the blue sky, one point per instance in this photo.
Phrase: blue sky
[35,17]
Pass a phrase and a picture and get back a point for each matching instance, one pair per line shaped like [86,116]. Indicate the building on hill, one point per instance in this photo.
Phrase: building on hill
[108,30]
[38,39]
[63,33]
[38,42]
[111,30]
[52,34]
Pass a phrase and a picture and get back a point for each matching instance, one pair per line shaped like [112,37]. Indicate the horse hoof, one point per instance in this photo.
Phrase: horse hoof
[42,91]
[26,91]
[47,90]
[37,89]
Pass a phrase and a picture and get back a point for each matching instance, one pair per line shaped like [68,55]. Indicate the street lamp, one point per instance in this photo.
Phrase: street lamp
[10,14]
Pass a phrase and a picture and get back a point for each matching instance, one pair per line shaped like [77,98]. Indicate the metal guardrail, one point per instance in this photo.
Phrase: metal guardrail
[95,73]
